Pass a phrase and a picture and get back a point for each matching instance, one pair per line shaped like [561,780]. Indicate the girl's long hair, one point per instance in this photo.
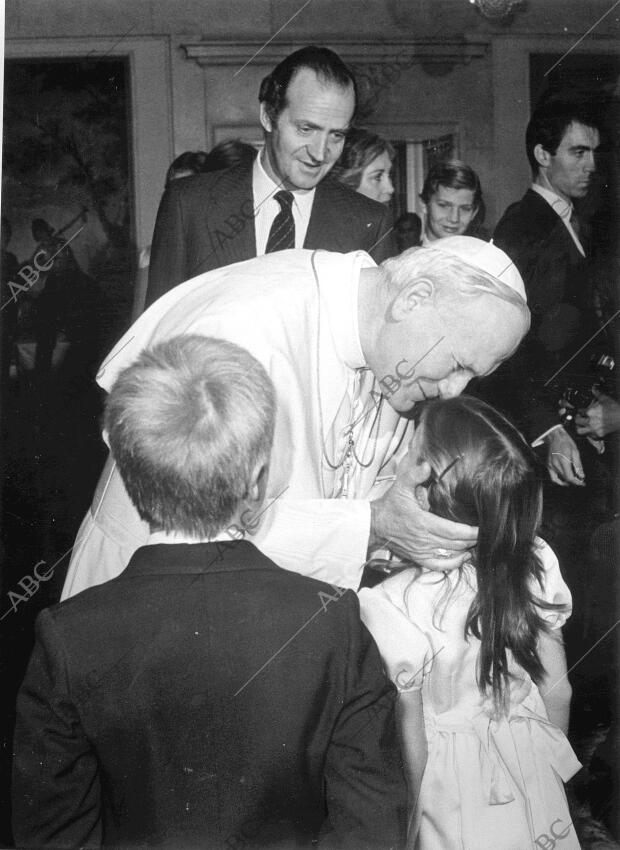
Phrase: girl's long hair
[485,474]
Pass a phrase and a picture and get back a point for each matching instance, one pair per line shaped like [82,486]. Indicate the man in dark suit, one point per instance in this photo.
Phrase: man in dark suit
[205,698]
[286,198]
[543,237]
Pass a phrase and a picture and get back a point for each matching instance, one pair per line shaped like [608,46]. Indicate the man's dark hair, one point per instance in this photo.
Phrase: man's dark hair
[192,161]
[550,121]
[326,64]
[228,154]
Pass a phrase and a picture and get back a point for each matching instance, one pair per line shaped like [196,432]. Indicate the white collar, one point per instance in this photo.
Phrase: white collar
[561,206]
[264,187]
[174,537]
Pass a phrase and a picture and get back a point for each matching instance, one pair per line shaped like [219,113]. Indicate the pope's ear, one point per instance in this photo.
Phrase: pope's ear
[265,120]
[542,156]
[411,296]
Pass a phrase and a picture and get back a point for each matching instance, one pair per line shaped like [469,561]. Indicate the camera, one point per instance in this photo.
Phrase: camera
[601,369]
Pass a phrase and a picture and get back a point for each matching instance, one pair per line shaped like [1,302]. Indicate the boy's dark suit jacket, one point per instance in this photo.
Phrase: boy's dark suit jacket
[206,221]
[556,281]
[206,698]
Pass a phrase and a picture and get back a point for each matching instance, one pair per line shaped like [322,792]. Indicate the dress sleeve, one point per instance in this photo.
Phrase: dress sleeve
[404,648]
[554,588]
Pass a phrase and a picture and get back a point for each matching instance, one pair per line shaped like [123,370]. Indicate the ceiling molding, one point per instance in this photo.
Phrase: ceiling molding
[210,53]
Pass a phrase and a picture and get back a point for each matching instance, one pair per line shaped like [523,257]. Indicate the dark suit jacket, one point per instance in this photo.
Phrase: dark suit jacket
[555,276]
[206,221]
[206,698]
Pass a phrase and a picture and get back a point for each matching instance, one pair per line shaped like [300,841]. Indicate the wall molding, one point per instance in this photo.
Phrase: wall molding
[210,53]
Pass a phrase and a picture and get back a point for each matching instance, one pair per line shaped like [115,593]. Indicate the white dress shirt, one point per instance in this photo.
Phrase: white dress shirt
[267,208]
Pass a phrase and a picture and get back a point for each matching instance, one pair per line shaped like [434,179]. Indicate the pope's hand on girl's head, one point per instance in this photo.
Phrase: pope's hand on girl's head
[398,521]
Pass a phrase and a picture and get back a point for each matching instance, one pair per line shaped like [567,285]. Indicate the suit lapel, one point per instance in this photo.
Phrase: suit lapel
[556,242]
[234,233]
[322,229]
[551,223]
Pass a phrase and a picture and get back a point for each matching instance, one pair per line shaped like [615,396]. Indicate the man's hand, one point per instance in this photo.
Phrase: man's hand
[410,531]
[563,459]
[600,418]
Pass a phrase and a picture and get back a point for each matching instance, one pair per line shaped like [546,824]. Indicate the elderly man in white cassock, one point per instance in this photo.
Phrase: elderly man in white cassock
[350,347]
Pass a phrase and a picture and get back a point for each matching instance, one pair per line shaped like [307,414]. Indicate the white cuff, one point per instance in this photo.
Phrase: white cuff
[539,440]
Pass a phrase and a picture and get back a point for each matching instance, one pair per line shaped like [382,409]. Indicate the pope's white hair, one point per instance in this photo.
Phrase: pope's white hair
[450,276]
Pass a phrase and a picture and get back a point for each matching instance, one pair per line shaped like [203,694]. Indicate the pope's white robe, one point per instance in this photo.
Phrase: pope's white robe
[303,328]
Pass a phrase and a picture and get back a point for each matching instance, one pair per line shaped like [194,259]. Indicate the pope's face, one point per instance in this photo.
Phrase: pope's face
[305,140]
[436,351]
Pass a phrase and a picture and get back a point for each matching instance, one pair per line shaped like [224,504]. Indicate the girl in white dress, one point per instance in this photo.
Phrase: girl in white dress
[477,654]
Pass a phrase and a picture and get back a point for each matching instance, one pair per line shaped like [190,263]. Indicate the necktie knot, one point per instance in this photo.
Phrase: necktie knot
[285,199]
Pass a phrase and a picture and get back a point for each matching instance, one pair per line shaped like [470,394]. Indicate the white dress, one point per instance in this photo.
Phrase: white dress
[488,784]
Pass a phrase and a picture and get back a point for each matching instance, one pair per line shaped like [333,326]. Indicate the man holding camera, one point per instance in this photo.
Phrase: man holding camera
[542,234]
[557,385]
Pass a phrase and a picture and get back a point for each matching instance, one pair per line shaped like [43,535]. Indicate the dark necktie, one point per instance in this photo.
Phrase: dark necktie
[282,233]
[575,223]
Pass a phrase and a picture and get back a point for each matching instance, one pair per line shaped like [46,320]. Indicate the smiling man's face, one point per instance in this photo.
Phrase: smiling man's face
[449,212]
[306,139]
